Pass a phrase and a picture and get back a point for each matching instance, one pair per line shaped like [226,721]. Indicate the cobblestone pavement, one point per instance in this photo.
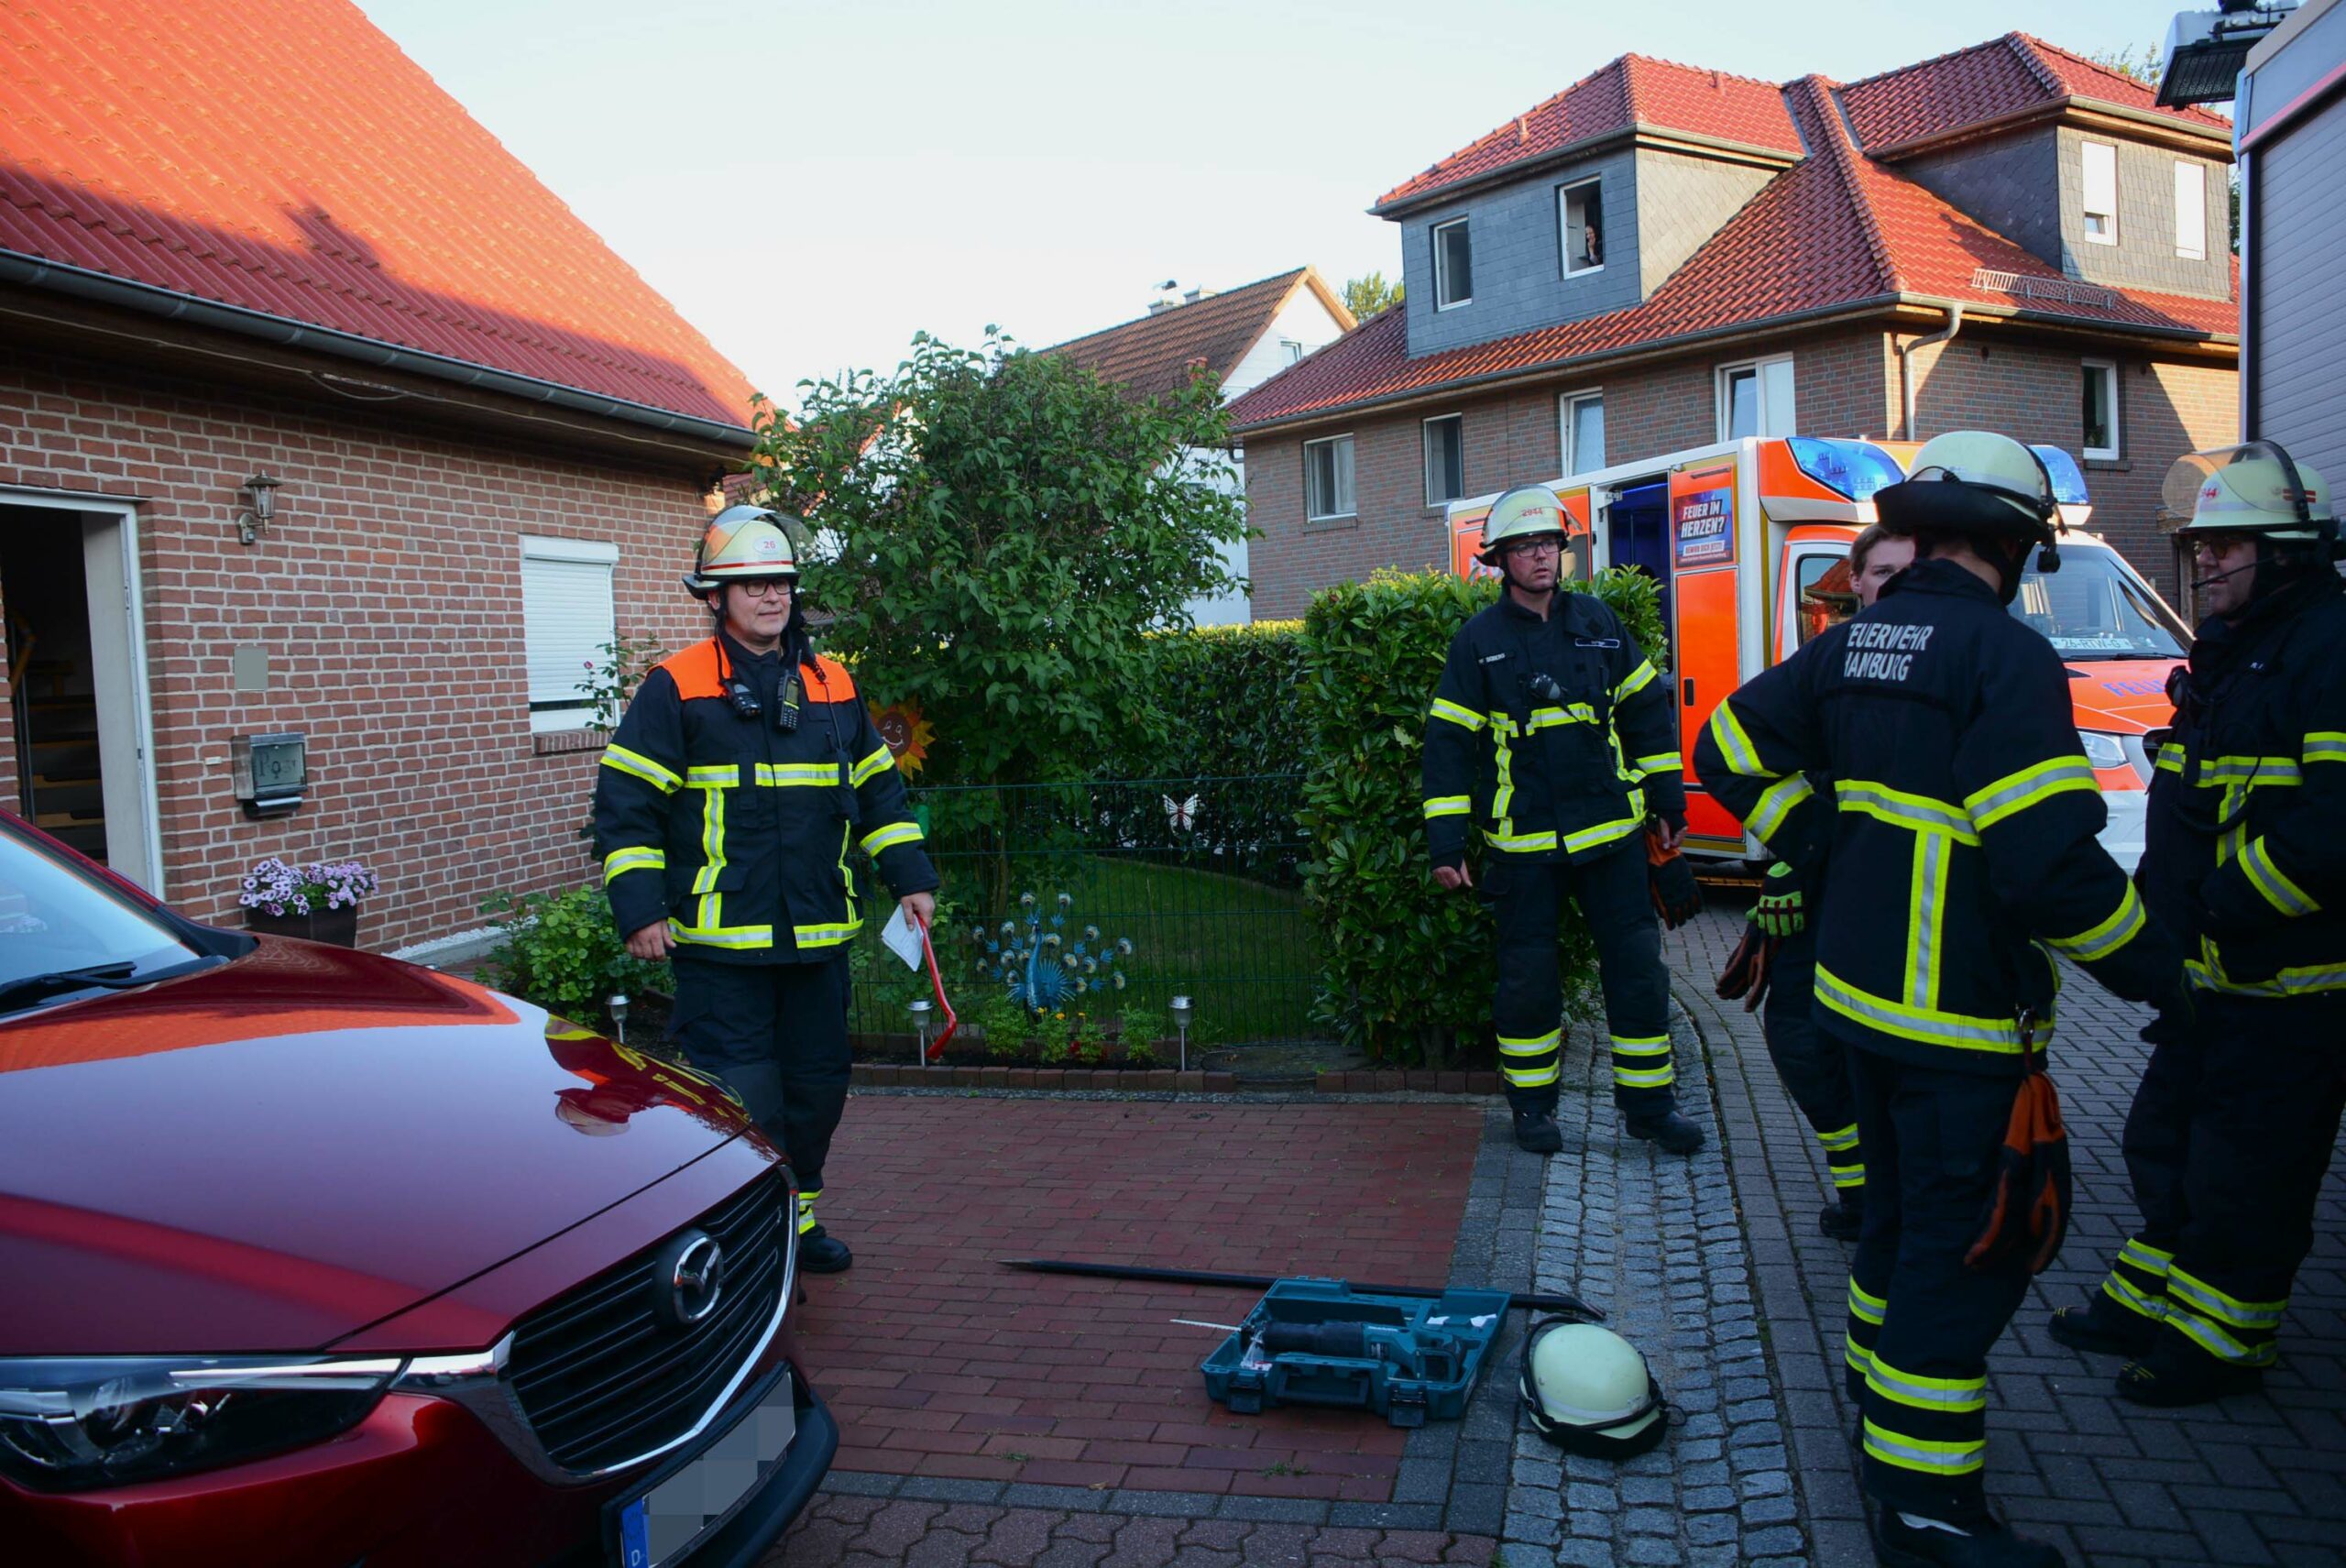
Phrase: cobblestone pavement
[2252,1480]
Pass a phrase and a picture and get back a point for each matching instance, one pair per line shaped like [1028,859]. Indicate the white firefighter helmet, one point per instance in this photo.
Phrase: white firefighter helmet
[743,543]
[2255,487]
[1587,1390]
[1527,511]
[1973,482]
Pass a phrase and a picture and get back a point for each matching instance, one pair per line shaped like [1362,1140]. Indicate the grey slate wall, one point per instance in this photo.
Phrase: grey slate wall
[2145,256]
[1682,201]
[1519,284]
[2013,184]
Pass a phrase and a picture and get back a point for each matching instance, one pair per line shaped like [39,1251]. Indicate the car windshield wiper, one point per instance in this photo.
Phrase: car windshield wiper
[108,977]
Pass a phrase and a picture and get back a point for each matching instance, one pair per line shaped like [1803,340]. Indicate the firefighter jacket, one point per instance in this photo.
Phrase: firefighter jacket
[1960,824]
[2245,842]
[1556,738]
[737,832]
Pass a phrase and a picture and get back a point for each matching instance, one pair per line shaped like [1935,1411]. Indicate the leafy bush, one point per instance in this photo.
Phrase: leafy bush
[560,952]
[1225,692]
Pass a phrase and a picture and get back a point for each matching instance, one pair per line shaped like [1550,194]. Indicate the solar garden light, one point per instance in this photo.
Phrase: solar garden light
[920,1009]
[617,1004]
[1182,1013]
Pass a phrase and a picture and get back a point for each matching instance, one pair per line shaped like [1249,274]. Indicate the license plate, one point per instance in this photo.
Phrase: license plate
[669,1520]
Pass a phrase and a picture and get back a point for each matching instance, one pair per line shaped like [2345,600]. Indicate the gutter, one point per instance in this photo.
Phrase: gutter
[1906,370]
[146,299]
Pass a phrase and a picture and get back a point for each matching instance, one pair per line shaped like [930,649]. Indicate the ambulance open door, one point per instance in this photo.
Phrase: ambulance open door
[1706,636]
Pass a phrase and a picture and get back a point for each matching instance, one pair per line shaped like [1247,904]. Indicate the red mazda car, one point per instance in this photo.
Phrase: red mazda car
[312,1258]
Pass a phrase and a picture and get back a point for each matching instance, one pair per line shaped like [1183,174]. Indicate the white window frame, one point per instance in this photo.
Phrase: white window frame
[1441,300]
[1565,403]
[2190,211]
[1563,225]
[1425,450]
[1353,510]
[570,552]
[1292,349]
[1759,369]
[2117,446]
[2106,153]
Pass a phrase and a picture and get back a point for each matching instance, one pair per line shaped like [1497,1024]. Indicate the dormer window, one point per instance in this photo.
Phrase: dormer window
[1454,265]
[1580,215]
[2100,183]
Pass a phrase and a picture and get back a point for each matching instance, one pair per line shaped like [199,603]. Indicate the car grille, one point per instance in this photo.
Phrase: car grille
[602,1380]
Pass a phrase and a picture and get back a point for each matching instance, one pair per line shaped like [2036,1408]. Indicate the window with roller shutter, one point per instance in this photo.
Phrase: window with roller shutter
[567,621]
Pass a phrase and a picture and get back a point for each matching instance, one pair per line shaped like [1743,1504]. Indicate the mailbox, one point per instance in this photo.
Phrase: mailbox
[271,772]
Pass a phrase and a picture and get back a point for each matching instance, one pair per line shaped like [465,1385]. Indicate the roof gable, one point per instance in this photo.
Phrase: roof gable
[339,187]
[1157,354]
[1995,81]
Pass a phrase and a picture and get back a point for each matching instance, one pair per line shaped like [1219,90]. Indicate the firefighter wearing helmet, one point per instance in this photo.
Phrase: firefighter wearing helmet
[2235,1118]
[1956,853]
[744,772]
[1553,739]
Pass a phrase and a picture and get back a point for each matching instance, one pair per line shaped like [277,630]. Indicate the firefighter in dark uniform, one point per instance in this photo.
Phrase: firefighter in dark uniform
[1778,959]
[743,772]
[1552,734]
[1958,853]
[2236,1117]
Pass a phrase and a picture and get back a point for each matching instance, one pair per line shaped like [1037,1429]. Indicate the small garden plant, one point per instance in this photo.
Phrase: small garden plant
[274,887]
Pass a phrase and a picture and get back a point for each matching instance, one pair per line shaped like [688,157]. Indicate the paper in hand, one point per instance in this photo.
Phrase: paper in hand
[903,938]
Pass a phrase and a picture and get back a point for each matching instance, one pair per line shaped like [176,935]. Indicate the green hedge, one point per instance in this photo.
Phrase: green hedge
[1408,969]
[1228,693]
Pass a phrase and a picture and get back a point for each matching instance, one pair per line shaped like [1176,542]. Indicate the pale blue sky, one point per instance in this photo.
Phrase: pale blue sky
[811,183]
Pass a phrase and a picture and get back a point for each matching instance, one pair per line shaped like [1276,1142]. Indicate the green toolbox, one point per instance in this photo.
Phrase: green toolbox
[1319,1342]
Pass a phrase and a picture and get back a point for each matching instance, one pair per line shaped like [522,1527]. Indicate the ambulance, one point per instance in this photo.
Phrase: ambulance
[1749,542]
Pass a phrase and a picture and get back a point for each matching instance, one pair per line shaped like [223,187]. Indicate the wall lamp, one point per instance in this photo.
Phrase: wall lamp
[260,495]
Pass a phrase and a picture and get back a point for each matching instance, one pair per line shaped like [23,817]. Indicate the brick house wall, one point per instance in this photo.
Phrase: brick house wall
[388,595]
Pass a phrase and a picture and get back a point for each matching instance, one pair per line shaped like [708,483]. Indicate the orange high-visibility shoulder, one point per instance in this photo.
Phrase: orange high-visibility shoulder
[827,680]
[694,671]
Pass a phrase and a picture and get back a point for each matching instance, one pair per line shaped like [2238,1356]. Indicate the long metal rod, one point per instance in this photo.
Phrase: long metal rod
[1537,1302]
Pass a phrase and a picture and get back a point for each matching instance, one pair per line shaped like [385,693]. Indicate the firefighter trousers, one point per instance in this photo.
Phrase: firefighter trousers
[1813,1064]
[2226,1144]
[776,1035]
[1919,1320]
[1527,899]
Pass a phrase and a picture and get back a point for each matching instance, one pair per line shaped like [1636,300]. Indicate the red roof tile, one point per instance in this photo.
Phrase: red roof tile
[1837,229]
[283,156]
[1629,92]
[1154,355]
[2008,75]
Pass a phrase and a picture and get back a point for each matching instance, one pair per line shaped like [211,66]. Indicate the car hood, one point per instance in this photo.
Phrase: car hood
[276,1152]
[2125,697]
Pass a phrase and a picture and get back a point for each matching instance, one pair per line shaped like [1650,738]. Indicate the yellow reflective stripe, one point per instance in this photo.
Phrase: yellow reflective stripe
[1465,717]
[2125,923]
[780,775]
[1660,762]
[2269,880]
[722,936]
[1921,1453]
[1556,717]
[2208,1302]
[1950,1396]
[1605,832]
[1742,757]
[1531,1077]
[1503,755]
[714,775]
[825,935]
[2170,759]
[1865,1306]
[1644,1077]
[2123,1292]
[1851,1175]
[878,762]
[1521,843]
[1931,1026]
[1642,1045]
[2212,1338]
[1447,806]
[618,862]
[2015,793]
[1776,803]
[1636,681]
[806,1209]
[2145,1256]
[712,847]
[1840,1139]
[889,836]
[2250,771]
[1856,1355]
[619,758]
[2324,746]
[1903,808]
[1926,912]
[2207,972]
[1530,1045]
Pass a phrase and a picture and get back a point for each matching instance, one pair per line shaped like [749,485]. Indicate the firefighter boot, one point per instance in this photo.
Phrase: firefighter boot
[1980,1541]
[819,1252]
[2167,1379]
[1536,1132]
[1673,1132]
[1844,1219]
[2102,1327]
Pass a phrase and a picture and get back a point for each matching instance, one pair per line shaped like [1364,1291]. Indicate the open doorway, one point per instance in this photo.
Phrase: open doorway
[1637,533]
[77,680]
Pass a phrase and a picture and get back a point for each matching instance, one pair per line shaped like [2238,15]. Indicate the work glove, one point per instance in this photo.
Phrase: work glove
[1782,911]
[1671,880]
[1747,974]
[2027,1211]
[2178,1013]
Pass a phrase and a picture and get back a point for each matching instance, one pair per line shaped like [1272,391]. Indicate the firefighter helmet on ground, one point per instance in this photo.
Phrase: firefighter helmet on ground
[1975,483]
[743,543]
[1589,1391]
[1527,511]
[2255,487]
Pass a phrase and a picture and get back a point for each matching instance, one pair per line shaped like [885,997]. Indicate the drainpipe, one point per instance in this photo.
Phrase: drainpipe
[1906,370]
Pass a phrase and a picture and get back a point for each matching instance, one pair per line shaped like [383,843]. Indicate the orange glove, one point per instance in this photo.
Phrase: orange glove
[2028,1211]
[1745,974]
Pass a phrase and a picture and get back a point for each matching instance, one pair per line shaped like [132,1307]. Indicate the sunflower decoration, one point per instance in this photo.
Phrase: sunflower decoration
[906,734]
[1032,958]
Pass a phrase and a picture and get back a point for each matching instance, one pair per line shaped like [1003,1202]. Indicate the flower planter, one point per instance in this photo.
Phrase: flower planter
[337,928]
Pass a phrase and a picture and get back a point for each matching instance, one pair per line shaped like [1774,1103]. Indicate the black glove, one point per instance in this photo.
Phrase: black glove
[1747,973]
[1671,880]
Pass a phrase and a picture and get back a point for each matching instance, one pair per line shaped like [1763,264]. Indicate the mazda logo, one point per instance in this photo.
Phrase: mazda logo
[689,1279]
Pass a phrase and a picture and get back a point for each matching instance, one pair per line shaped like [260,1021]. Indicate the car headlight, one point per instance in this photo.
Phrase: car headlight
[2103,749]
[72,1424]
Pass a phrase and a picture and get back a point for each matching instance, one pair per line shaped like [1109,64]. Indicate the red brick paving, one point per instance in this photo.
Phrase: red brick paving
[938,1363]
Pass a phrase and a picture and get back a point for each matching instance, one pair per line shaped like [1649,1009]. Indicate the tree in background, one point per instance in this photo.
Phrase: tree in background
[991,532]
[1367,296]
